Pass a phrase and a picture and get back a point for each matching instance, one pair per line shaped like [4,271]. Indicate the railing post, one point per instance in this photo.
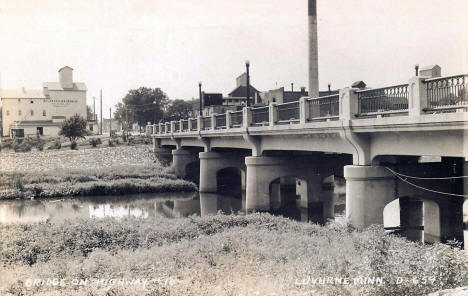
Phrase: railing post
[247,116]
[304,110]
[417,96]
[213,121]
[349,105]
[272,114]
[228,119]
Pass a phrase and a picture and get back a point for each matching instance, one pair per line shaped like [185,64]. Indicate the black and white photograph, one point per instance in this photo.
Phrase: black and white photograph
[233,148]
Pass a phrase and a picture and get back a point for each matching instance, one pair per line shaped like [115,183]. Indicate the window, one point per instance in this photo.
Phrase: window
[19,112]
[8,112]
[32,102]
[19,100]
[43,113]
[32,112]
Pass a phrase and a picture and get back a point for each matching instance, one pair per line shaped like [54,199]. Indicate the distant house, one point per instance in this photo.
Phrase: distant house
[280,95]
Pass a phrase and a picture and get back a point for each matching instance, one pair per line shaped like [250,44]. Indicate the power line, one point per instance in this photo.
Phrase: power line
[423,188]
[425,178]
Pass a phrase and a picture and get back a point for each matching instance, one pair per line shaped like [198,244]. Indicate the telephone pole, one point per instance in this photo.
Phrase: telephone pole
[110,122]
[94,108]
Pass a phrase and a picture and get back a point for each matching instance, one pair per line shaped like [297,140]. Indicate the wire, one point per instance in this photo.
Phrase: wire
[425,178]
[427,189]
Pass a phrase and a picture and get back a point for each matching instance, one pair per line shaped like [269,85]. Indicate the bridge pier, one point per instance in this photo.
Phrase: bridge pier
[180,159]
[368,190]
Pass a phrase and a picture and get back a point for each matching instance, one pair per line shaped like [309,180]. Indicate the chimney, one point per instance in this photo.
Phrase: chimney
[292,87]
[313,50]
[303,89]
[66,77]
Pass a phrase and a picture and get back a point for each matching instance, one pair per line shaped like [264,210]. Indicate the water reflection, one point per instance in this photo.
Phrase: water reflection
[170,205]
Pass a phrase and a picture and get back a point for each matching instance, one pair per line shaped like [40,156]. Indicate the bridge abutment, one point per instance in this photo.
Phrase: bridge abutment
[368,190]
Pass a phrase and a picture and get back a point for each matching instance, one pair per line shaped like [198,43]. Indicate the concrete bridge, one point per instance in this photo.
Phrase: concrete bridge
[379,140]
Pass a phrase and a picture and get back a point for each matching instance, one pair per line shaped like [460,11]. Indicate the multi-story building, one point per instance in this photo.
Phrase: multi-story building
[30,112]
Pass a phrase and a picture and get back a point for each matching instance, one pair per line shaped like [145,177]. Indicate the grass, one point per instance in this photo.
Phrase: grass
[96,171]
[222,255]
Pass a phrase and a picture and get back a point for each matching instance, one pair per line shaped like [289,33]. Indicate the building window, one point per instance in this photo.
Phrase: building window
[43,113]
[32,112]
[19,112]
[32,102]
[8,112]
[19,100]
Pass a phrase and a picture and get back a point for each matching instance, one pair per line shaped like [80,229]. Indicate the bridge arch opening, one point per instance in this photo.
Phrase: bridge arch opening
[192,171]
[230,182]
[405,216]
[302,198]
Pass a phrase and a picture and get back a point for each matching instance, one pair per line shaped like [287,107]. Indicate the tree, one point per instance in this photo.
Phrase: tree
[142,105]
[74,128]
[179,109]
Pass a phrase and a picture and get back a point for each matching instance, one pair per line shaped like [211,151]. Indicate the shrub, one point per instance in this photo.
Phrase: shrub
[22,145]
[73,145]
[95,141]
[111,143]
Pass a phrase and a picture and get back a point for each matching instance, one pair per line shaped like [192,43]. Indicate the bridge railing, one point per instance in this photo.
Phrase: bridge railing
[383,101]
[206,123]
[155,129]
[260,116]
[185,125]
[176,126]
[168,127]
[193,124]
[288,112]
[323,108]
[236,119]
[220,120]
[447,93]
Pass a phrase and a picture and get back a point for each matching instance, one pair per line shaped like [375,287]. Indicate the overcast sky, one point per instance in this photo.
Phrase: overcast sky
[117,45]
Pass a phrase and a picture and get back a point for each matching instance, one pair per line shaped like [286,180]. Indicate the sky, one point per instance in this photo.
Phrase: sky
[117,45]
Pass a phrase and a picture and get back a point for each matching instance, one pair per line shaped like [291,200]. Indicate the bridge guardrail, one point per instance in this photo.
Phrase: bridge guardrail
[176,126]
[220,120]
[206,123]
[381,101]
[236,118]
[447,94]
[324,108]
[168,127]
[288,112]
[193,124]
[260,116]
[184,125]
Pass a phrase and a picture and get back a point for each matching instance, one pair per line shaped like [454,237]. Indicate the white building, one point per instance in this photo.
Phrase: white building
[29,112]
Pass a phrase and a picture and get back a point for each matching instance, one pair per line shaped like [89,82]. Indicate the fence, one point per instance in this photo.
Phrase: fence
[393,99]
[447,92]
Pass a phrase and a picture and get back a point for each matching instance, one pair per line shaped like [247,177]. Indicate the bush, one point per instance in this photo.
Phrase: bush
[95,141]
[111,143]
[73,145]
[22,145]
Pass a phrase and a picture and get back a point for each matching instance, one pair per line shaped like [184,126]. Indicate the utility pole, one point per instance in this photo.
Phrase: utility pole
[201,99]
[94,108]
[126,123]
[247,65]
[101,114]
[110,122]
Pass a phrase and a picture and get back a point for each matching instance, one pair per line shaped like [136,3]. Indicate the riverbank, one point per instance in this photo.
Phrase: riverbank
[86,172]
[223,255]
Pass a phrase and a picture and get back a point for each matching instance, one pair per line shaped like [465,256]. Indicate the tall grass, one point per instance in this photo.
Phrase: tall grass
[224,255]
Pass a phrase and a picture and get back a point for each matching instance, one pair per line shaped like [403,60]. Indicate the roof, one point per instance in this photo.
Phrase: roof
[78,86]
[65,67]
[21,94]
[241,91]
[430,67]
[291,96]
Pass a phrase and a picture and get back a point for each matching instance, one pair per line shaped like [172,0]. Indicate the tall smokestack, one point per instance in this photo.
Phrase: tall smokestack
[313,50]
